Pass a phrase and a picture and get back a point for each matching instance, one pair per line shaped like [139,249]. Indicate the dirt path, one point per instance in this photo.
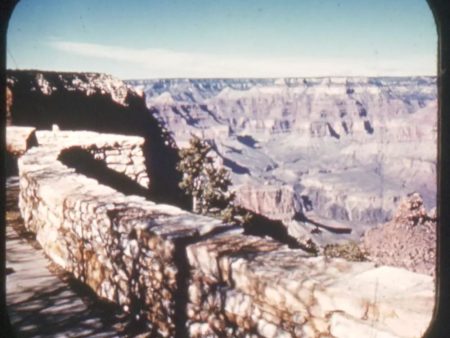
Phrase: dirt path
[43,300]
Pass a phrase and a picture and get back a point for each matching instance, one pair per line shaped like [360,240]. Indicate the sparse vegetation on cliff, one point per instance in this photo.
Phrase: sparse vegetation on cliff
[208,184]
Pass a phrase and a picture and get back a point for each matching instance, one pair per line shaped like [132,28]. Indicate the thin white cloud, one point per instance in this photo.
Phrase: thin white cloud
[168,63]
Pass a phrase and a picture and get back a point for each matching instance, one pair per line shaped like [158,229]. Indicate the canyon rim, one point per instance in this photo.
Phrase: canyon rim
[332,150]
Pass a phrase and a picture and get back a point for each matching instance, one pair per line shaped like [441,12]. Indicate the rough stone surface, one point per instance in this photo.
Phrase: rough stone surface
[19,139]
[193,276]
[89,84]
[408,241]
[123,247]
[279,203]
[122,154]
[244,285]
[39,303]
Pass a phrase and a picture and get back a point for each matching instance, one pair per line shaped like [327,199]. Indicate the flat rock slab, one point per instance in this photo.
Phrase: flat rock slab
[328,224]
[39,303]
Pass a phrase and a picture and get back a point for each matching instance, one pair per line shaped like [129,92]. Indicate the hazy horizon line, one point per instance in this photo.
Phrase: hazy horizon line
[240,77]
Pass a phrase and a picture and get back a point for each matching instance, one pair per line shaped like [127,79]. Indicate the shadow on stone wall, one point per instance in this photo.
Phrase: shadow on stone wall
[75,110]
[262,226]
[84,163]
[11,168]
[14,150]
[99,318]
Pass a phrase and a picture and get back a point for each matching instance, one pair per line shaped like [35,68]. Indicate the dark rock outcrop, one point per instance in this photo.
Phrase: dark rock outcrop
[97,102]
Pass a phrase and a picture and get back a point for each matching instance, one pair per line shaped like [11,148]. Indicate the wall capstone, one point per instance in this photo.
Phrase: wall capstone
[19,139]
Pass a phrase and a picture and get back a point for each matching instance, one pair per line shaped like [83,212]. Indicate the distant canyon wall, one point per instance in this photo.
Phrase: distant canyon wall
[344,149]
[318,107]
[350,147]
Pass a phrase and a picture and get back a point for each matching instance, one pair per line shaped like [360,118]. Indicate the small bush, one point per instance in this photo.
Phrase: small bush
[350,251]
[208,184]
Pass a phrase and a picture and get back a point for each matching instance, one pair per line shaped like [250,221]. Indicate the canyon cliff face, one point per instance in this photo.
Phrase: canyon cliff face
[336,149]
[96,102]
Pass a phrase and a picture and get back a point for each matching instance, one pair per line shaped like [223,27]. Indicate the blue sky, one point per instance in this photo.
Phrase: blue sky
[233,38]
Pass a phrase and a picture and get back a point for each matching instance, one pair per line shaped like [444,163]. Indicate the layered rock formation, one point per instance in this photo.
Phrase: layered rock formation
[340,150]
[345,149]
[275,202]
[186,275]
[408,240]
[334,107]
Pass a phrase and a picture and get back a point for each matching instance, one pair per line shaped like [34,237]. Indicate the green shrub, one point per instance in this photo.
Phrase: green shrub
[207,184]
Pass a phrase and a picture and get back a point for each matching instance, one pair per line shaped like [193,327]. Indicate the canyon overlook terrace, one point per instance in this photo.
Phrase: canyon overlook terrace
[191,275]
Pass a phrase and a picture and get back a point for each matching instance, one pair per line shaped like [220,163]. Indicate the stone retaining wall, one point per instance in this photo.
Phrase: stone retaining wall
[260,287]
[123,154]
[123,247]
[192,276]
